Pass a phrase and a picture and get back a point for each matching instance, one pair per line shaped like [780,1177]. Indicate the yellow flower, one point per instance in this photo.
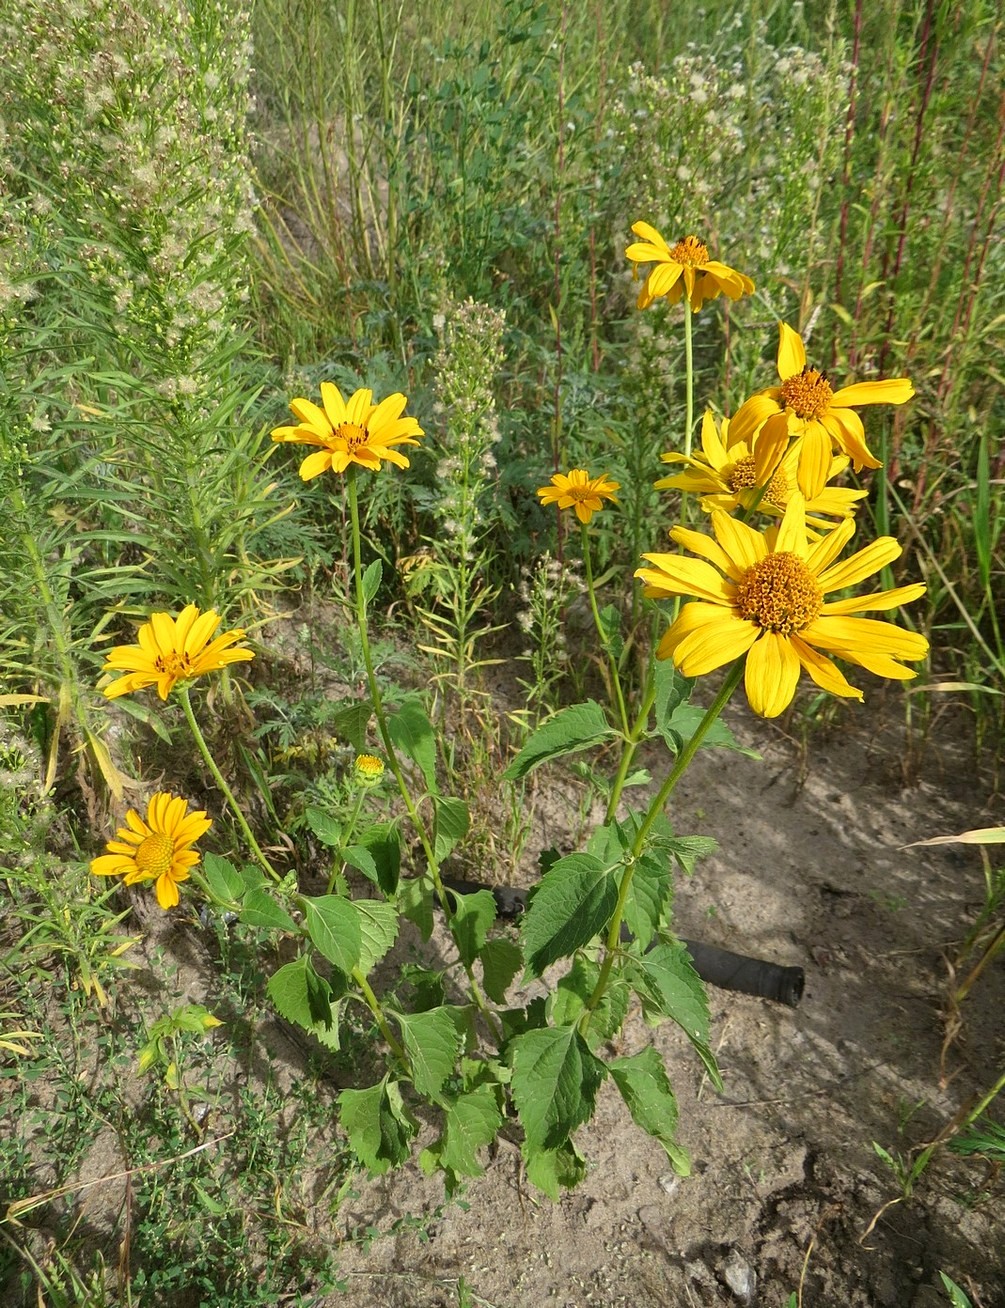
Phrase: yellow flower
[367,769]
[580,491]
[357,431]
[762,595]
[158,849]
[724,474]
[684,267]
[805,406]
[173,650]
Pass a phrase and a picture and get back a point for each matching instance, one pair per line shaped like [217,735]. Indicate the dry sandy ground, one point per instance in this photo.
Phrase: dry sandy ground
[785,1184]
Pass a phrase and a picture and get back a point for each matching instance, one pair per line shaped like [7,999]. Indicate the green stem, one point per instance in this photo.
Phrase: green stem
[373,1003]
[655,809]
[688,397]
[634,739]
[346,837]
[611,660]
[200,741]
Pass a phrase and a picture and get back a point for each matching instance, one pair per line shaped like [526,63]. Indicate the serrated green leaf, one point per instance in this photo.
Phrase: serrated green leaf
[473,916]
[452,821]
[571,904]
[377,854]
[501,960]
[261,910]
[333,924]
[471,1122]
[324,826]
[224,879]
[580,726]
[574,991]
[433,1044]
[688,849]
[670,987]
[412,733]
[648,897]
[301,996]
[371,580]
[352,721]
[415,902]
[378,930]
[556,1077]
[684,722]
[554,1170]
[672,689]
[379,1127]
[610,625]
[645,1088]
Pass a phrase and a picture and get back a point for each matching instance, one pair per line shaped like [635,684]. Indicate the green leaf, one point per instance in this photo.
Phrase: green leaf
[301,996]
[648,897]
[377,854]
[580,726]
[957,1297]
[333,925]
[555,1082]
[452,822]
[610,625]
[352,721]
[672,690]
[261,910]
[501,960]
[571,904]
[415,901]
[670,987]
[378,930]
[412,733]
[379,1126]
[224,879]
[433,1043]
[554,1170]
[473,915]
[371,581]
[324,826]
[471,1121]
[646,1089]
[688,849]
[684,722]
[574,991]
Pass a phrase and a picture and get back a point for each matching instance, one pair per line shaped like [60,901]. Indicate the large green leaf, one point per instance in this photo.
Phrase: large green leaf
[324,826]
[670,987]
[371,581]
[471,1121]
[351,720]
[572,903]
[260,909]
[501,960]
[379,1126]
[378,930]
[473,915]
[555,1082]
[223,877]
[648,897]
[412,733]
[451,825]
[377,854]
[333,924]
[433,1043]
[301,996]
[684,722]
[646,1089]
[580,726]
[415,902]
[554,1170]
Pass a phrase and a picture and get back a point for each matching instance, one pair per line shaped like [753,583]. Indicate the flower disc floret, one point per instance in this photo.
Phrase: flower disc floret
[683,269]
[353,431]
[173,650]
[157,848]
[761,596]
[578,490]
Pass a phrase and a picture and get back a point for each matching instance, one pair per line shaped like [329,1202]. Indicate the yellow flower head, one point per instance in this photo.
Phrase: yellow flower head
[367,769]
[353,431]
[580,491]
[158,849]
[173,650]
[683,268]
[724,474]
[806,406]
[762,595]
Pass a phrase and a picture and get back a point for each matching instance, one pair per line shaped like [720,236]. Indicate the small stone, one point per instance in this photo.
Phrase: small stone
[739,1276]
[670,1183]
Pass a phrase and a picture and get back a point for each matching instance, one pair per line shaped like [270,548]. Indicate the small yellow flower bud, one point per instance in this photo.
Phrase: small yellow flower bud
[367,769]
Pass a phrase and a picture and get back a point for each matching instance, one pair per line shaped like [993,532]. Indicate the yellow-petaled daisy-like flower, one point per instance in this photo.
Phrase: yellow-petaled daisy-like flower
[579,491]
[724,474]
[684,268]
[761,594]
[350,431]
[173,650]
[367,769]
[158,849]
[807,407]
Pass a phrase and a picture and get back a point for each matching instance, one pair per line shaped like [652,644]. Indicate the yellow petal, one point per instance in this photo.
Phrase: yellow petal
[743,545]
[307,411]
[316,463]
[752,413]
[358,409]
[387,412]
[791,354]
[164,632]
[110,865]
[791,537]
[770,444]
[167,891]
[200,633]
[814,459]
[649,233]
[825,551]
[852,637]
[894,390]
[705,637]
[675,575]
[846,430]
[864,563]
[331,398]
[771,675]
[886,599]
[705,547]
[662,279]
[826,675]
[711,443]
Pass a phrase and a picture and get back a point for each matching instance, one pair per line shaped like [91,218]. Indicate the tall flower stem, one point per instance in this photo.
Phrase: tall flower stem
[228,794]
[655,809]
[432,863]
[632,741]
[688,418]
[612,662]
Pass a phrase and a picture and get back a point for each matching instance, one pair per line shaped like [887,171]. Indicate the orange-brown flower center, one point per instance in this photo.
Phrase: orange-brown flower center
[743,477]
[780,594]
[176,664]
[353,434]
[155,855]
[808,393]
[690,252]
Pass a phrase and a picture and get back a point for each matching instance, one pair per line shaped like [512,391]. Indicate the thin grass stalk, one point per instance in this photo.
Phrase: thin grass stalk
[849,137]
